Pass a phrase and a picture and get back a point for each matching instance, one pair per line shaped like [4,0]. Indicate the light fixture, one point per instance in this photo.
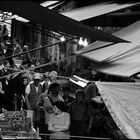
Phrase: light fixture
[85,43]
[138,75]
[62,39]
[80,41]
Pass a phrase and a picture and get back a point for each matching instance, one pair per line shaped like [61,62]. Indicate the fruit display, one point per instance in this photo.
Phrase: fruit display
[17,119]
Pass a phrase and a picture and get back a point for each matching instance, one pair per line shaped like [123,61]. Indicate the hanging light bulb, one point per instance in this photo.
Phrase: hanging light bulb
[62,39]
[80,41]
[85,43]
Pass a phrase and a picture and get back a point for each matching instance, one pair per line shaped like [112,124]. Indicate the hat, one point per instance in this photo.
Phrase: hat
[53,73]
[47,74]
[37,76]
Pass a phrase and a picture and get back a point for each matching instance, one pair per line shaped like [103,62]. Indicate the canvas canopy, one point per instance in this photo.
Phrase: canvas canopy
[95,10]
[122,101]
[117,59]
[55,21]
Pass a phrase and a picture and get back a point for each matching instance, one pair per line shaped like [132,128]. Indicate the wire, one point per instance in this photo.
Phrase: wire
[43,134]
[37,67]
[46,64]
[42,47]
[26,70]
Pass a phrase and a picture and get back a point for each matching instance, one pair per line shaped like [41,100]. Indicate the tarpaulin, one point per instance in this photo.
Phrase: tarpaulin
[95,10]
[55,21]
[122,99]
[117,59]
[123,103]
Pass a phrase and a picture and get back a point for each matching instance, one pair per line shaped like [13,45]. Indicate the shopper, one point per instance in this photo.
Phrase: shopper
[59,122]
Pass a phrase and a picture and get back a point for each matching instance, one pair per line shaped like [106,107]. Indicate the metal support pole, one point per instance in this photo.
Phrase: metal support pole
[15,102]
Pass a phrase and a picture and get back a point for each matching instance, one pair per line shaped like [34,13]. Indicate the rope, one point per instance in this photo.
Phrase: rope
[9,75]
[26,70]
[68,57]
[84,137]
[43,65]
[43,134]
[49,63]
[42,47]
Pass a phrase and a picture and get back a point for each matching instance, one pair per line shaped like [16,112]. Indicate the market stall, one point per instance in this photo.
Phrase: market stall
[17,125]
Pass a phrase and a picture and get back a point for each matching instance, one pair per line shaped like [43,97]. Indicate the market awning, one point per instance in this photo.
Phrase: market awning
[118,59]
[122,101]
[124,106]
[95,10]
[55,21]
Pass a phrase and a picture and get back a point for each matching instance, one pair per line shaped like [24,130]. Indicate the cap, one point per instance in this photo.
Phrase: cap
[53,73]
[37,76]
